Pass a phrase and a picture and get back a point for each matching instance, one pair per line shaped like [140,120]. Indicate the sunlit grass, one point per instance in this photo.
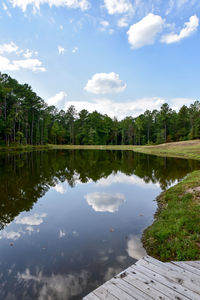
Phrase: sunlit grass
[187,149]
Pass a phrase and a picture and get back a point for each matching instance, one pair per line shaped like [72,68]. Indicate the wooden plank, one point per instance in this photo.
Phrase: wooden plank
[159,283]
[169,283]
[151,279]
[143,287]
[194,264]
[91,296]
[187,267]
[195,279]
[115,291]
[130,289]
[170,274]
[103,294]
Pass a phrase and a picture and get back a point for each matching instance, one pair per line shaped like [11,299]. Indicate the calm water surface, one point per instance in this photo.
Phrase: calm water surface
[71,220]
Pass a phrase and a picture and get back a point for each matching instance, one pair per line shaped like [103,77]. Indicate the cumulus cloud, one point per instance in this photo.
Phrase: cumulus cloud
[118,6]
[118,109]
[105,202]
[58,100]
[33,220]
[61,50]
[8,48]
[145,31]
[188,29]
[23,4]
[34,65]
[135,248]
[6,64]
[28,53]
[176,103]
[105,83]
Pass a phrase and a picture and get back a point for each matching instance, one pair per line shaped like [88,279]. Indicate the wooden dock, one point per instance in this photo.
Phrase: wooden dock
[152,279]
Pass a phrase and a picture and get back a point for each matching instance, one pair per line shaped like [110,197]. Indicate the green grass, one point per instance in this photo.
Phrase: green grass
[23,148]
[175,233]
[187,149]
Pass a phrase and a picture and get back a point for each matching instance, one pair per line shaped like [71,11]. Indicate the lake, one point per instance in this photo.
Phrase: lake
[71,220]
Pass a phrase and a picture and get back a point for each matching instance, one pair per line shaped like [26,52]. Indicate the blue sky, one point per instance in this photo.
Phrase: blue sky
[119,57]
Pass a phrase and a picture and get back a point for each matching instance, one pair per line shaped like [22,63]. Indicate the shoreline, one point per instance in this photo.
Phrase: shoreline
[187,149]
[175,232]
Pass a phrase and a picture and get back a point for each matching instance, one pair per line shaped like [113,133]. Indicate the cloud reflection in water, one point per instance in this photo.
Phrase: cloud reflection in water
[105,202]
[61,287]
[135,248]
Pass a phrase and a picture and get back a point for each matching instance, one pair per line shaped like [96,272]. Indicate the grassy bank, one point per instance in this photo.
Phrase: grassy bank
[175,233]
[187,149]
[23,148]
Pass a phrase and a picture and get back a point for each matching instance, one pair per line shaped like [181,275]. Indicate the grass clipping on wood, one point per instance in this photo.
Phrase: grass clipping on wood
[175,233]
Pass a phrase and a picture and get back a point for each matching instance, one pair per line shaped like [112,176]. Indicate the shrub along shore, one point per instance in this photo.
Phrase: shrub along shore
[175,233]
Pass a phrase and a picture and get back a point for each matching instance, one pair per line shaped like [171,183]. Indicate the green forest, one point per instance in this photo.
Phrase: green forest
[25,118]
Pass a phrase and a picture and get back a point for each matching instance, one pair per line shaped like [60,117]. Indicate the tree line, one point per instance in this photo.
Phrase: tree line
[25,118]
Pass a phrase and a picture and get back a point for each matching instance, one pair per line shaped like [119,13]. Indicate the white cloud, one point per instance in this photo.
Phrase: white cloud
[189,28]
[6,65]
[28,54]
[61,188]
[28,63]
[8,48]
[118,6]
[105,83]
[33,220]
[176,103]
[105,202]
[118,109]
[75,49]
[61,50]
[135,248]
[122,22]
[145,31]
[82,4]
[105,26]
[58,100]
[32,64]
